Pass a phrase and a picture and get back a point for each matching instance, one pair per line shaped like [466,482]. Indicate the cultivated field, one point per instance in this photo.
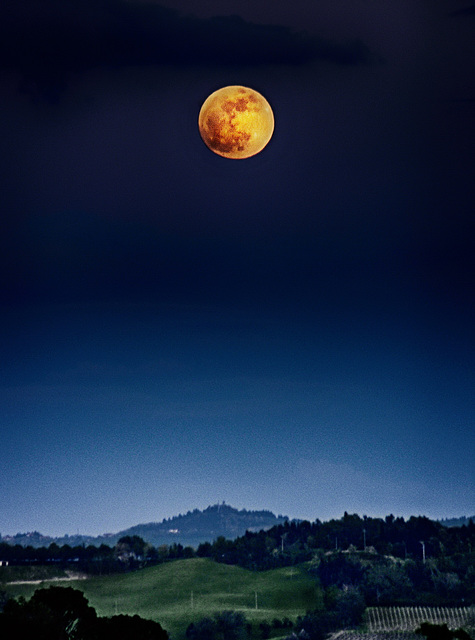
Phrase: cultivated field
[400,623]
[409,618]
[380,635]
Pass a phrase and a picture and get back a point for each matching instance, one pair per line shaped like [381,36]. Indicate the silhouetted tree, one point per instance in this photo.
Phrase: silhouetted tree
[55,613]
[60,613]
[226,625]
[124,627]
[441,632]
[385,583]
[340,570]
[204,629]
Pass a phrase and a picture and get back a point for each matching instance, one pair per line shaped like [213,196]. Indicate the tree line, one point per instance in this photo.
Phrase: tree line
[284,543]
[130,553]
[291,542]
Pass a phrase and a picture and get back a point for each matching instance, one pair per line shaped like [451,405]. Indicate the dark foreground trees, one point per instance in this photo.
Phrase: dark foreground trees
[343,609]
[441,632]
[227,625]
[128,628]
[63,613]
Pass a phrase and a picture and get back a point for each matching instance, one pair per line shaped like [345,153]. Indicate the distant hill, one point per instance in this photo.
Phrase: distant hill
[456,522]
[189,529]
[200,526]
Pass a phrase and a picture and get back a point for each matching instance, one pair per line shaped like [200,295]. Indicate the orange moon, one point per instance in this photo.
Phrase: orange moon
[236,122]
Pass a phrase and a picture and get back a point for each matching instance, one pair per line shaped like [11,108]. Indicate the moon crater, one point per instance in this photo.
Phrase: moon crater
[236,122]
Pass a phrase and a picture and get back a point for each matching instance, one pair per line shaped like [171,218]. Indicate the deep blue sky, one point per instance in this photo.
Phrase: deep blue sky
[294,331]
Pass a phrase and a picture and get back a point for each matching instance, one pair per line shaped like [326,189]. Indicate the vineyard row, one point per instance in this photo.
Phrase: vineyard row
[409,618]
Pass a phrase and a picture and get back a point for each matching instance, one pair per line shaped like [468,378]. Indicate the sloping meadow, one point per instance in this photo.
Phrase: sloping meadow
[184,591]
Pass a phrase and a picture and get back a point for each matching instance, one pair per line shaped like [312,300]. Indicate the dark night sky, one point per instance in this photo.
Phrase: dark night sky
[293,331]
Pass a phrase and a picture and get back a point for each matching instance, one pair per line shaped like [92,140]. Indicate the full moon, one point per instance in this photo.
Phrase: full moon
[236,122]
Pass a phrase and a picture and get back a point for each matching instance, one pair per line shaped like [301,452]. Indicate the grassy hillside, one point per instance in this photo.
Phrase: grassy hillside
[183,591]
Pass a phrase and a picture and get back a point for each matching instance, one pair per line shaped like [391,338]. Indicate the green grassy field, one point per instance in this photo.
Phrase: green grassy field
[180,592]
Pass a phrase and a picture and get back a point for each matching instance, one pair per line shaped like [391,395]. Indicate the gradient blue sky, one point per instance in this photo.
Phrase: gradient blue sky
[291,332]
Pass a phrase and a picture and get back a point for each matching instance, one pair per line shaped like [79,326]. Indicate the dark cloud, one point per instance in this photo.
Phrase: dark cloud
[47,42]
